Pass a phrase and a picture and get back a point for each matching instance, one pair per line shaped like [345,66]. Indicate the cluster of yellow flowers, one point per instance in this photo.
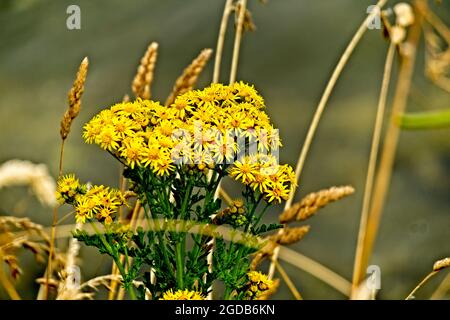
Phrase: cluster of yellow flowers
[258,285]
[202,127]
[95,201]
[263,173]
[182,295]
[234,214]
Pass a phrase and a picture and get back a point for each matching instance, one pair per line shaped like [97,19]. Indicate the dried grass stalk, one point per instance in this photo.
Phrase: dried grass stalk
[10,243]
[289,236]
[190,75]
[8,224]
[142,82]
[94,284]
[248,23]
[36,176]
[70,287]
[74,97]
[310,204]
[265,252]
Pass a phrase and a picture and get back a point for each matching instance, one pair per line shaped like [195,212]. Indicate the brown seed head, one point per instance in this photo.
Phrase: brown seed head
[441,264]
[190,75]
[310,204]
[141,85]
[74,98]
[290,235]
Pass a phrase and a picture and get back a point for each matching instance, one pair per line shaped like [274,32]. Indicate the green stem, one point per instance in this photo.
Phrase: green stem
[226,295]
[116,259]
[159,234]
[424,120]
[261,214]
[180,247]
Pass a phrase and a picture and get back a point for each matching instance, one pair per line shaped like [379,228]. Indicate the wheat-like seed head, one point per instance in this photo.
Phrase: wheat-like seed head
[310,204]
[10,242]
[190,75]
[74,98]
[141,85]
[290,235]
[441,264]
[264,252]
[35,176]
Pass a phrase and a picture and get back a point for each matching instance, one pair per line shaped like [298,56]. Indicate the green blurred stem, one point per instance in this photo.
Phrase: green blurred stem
[116,258]
[181,244]
[425,120]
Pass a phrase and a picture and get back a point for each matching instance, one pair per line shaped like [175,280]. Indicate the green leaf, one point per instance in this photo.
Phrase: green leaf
[266,228]
[424,120]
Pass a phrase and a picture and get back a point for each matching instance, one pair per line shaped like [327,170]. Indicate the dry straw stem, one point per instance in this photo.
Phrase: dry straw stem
[242,7]
[67,289]
[9,245]
[94,284]
[141,85]
[7,284]
[442,289]
[322,103]
[384,173]
[288,281]
[438,54]
[16,233]
[311,203]
[221,39]
[373,162]
[224,195]
[190,75]
[438,266]
[315,269]
[72,112]
[290,236]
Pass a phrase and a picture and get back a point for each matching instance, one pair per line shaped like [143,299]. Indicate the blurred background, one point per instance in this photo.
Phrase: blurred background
[289,58]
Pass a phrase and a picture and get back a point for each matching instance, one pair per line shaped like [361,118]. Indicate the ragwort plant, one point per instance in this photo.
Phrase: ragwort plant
[175,158]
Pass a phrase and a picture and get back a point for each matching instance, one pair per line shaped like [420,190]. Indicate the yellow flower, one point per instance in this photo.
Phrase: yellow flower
[224,149]
[182,106]
[131,151]
[108,138]
[151,154]
[163,166]
[165,128]
[84,209]
[182,295]
[105,117]
[67,188]
[127,108]
[243,171]
[247,93]
[258,284]
[276,191]
[124,126]
[91,131]
[260,183]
